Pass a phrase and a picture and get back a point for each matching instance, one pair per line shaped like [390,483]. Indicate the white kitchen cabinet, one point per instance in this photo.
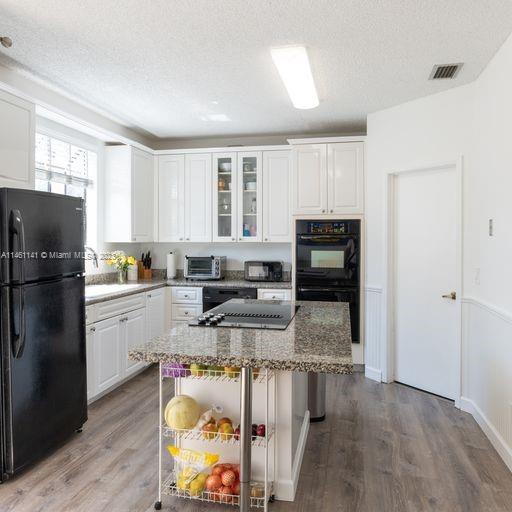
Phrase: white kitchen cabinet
[133,334]
[250,204]
[155,313]
[89,351]
[276,196]
[106,354]
[345,177]
[198,197]
[274,294]
[309,187]
[171,195]
[17,142]
[185,312]
[129,179]
[328,178]
[225,213]
[185,198]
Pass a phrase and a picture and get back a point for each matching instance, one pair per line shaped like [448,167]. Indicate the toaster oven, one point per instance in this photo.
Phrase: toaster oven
[204,267]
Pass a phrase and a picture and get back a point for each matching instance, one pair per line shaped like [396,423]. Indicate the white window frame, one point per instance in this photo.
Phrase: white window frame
[92,211]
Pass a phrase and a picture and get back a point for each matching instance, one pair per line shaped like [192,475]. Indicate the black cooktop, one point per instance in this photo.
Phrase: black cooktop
[253,315]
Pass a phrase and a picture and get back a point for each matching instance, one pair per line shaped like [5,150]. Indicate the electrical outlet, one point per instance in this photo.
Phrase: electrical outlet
[477,276]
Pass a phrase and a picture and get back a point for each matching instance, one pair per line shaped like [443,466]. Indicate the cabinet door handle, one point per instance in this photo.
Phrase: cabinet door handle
[149,296]
[240,239]
[266,239]
[181,239]
[332,211]
[92,329]
[186,312]
[323,211]
[232,239]
[186,296]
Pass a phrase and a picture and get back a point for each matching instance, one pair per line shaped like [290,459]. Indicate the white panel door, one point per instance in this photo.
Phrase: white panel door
[309,178]
[427,266]
[133,335]
[225,214]
[106,349]
[17,142]
[155,313]
[276,196]
[142,196]
[171,198]
[345,177]
[198,198]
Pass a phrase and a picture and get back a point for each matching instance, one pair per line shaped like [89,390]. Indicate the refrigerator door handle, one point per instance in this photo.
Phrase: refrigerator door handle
[18,342]
[17,228]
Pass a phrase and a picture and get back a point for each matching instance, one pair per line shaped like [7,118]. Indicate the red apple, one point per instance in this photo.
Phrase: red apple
[260,431]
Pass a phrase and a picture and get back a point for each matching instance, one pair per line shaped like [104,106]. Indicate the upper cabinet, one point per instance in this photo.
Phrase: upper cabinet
[185,198]
[249,201]
[225,192]
[276,196]
[328,178]
[17,142]
[129,188]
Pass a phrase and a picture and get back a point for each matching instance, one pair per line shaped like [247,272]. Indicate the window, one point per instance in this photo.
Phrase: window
[67,168]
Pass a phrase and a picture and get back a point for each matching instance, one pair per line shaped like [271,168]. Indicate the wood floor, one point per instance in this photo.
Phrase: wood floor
[383,448]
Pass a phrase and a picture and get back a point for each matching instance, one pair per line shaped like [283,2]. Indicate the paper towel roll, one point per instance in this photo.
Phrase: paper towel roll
[171,266]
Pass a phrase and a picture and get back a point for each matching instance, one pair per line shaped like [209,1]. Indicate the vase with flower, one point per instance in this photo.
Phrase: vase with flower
[121,262]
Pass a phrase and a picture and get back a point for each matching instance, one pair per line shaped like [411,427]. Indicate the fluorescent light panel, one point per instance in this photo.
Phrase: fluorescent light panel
[293,65]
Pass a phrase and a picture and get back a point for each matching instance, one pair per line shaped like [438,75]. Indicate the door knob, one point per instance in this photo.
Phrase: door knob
[451,295]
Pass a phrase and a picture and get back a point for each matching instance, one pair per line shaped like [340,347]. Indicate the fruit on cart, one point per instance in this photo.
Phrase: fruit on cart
[197,485]
[236,488]
[231,371]
[197,370]
[228,477]
[210,430]
[218,469]
[182,412]
[224,420]
[254,431]
[226,431]
[213,483]
[260,431]
[237,433]
[226,494]
[214,371]
[175,370]
[236,469]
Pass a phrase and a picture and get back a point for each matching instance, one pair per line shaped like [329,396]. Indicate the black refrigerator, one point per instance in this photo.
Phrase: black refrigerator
[43,369]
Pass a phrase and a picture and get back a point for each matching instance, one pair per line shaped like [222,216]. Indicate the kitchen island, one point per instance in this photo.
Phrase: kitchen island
[317,339]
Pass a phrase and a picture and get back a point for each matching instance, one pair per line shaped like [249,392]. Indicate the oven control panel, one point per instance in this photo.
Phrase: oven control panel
[328,227]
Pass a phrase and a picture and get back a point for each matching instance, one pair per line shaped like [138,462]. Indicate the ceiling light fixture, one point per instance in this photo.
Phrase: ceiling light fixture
[293,65]
[6,41]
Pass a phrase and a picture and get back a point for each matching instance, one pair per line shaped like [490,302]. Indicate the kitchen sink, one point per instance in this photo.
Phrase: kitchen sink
[97,290]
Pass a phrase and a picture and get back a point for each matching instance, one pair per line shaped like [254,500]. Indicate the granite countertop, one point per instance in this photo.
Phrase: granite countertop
[318,339]
[95,293]
[231,283]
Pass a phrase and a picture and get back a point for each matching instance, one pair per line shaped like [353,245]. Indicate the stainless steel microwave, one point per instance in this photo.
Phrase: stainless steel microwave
[204,267]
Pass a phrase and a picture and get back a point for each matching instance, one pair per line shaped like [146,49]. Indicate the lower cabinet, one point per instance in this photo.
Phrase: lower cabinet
[133,335]
[274,294]
[106,348]
[109,341]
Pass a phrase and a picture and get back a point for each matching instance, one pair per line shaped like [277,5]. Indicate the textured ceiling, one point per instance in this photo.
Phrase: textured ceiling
[166,66]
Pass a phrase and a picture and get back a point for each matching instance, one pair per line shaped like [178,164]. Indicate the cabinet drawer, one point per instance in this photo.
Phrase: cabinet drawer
[91,314]
[188,295]
[269,294]
[119,306]
[185,312]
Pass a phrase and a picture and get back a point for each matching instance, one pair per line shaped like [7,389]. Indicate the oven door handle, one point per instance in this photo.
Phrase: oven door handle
[301,289]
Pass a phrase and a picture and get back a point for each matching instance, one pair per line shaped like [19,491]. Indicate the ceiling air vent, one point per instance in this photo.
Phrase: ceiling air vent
[443,71]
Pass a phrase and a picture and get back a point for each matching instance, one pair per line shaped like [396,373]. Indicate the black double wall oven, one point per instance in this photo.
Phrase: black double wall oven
[328,266]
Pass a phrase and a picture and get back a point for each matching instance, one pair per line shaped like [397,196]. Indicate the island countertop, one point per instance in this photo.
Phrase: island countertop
[318,339]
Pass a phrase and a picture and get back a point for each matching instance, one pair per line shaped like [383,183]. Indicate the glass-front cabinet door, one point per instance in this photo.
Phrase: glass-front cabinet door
[225,197]
[249,196]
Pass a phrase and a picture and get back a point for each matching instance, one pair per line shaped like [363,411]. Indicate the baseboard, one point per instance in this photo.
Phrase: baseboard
[505,452]
[285,489]
[373,373]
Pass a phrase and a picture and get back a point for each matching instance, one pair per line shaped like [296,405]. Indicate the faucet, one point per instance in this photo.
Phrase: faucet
[94,255]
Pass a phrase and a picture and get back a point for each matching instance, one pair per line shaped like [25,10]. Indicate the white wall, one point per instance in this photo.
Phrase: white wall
[472,121]
[236,253]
